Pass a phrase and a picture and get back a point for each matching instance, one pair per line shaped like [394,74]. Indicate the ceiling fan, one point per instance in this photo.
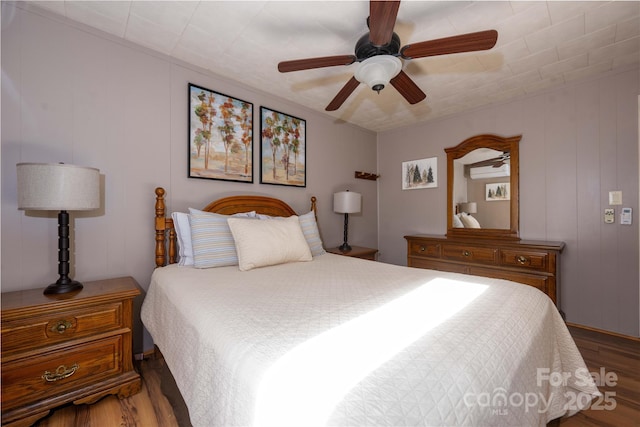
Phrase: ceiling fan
[379,53]
[496,162]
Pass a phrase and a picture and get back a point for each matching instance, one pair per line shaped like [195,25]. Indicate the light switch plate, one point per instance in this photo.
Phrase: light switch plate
[609,216]
[615,197]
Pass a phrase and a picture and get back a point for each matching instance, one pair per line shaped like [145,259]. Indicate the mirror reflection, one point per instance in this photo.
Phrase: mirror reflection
[482,189]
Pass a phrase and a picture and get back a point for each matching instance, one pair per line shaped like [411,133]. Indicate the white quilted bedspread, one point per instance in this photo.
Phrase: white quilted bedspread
[347,342]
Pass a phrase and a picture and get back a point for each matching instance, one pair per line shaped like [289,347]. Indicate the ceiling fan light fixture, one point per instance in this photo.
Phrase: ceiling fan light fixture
[377,71]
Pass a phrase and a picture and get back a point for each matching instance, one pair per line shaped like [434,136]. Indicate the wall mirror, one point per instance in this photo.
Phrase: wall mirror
[482,187]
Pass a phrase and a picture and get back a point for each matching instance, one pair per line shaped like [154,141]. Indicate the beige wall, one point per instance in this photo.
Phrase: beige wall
[74,95]
[578,143]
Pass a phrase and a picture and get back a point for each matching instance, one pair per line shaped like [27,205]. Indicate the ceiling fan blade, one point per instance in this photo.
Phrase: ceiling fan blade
[407,88]
[342,96]
[320,62]
[382,19]
[481,40]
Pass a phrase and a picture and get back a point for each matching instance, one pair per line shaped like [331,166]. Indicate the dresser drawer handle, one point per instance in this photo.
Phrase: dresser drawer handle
[61,326]
[522,259]
[466,253]
[61,373]
[423,248]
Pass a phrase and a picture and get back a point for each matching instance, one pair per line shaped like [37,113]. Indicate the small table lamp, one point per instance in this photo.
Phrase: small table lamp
[469,207]
[59,187]
[346,202]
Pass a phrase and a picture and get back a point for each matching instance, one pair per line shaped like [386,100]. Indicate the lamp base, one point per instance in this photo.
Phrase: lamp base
[62,288]
[344,247]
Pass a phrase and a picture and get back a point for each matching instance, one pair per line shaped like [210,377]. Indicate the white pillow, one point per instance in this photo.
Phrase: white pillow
[268,242]
[469,221]
[211,238]
[457,223]
[183,233]
[309,229]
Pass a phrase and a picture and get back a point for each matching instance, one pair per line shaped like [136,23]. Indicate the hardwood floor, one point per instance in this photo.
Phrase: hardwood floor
[611,354]
[150,407]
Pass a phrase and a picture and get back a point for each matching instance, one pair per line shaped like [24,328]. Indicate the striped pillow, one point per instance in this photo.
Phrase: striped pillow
[311,233]
[211,238]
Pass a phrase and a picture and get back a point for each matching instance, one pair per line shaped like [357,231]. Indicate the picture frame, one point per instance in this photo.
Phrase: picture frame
[497,191]
[418,174]
[283,148]
[220,136]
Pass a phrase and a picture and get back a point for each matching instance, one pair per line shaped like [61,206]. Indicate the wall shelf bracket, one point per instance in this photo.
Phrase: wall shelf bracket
[367,175]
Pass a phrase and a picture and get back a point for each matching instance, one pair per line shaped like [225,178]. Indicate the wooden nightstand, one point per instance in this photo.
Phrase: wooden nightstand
[356,252]
[65,348]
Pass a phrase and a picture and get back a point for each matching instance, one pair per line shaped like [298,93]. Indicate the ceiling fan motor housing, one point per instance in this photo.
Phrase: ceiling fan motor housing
[365,49]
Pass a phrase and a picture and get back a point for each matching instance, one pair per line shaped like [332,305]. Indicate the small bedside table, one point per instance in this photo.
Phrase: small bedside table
[356,252]
[73,347]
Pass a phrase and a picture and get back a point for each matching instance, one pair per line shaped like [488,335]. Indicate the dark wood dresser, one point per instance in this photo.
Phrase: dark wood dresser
[530,262]
[65,348]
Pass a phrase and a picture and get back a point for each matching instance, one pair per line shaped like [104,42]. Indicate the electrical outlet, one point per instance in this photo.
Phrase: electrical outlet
[609,216]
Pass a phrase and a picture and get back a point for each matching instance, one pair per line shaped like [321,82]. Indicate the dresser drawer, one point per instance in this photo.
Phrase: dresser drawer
[438,265]
[50,374]
[53,328]
[467,253]
[537,281]
[525,259]
[428,249]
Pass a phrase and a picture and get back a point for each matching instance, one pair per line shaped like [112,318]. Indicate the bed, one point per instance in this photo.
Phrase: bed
[341,341]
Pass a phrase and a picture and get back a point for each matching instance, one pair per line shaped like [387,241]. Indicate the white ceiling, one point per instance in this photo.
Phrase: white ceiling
[540,45]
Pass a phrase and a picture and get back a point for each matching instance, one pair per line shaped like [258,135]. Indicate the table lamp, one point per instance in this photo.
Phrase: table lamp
[59,187]
[469,207]
[346,202]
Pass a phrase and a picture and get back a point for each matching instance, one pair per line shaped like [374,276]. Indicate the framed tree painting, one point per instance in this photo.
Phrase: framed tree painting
[283,148]
[498,191]
[421,173]
[220,136]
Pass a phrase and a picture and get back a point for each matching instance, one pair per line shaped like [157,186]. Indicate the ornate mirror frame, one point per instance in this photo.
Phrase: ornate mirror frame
[494,142]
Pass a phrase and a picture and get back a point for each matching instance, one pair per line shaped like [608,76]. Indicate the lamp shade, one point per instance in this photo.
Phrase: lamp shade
[347,202]
[57,187]
[469,207]
[377,71]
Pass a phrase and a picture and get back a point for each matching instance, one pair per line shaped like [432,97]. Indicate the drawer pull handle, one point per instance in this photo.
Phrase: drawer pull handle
[522,259]
[61,373]
[61,326]
[422,248]
[466,253]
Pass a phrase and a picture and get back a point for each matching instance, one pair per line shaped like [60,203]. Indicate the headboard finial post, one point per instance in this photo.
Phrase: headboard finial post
[160,227]
[313,206]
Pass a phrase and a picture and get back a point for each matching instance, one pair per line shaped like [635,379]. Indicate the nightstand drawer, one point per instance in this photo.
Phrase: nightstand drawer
[428,249]
[54,328]
[468,253]
[522,259]
[51,374]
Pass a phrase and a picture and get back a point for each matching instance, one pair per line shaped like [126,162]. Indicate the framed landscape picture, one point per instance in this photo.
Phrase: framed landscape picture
[220,136]
[283,148]
[498,191]
[421,173]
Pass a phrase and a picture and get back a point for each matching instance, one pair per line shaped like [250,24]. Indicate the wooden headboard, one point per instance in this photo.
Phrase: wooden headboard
[166,241]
